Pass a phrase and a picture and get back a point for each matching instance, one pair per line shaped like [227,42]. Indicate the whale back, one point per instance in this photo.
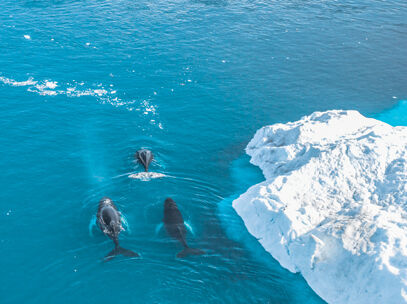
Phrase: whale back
[172,215]
[109,221]
[108,218]
[145,157]
[174,222]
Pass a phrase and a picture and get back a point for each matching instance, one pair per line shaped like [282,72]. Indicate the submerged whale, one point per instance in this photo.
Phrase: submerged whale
[175,227]
[145,157]
[109,221]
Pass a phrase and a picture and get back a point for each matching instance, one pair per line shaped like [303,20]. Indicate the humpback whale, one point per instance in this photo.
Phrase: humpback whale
[145,157]
[109,221]
[175,227]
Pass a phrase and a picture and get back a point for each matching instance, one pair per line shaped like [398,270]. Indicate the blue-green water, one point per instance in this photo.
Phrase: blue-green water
[84,84]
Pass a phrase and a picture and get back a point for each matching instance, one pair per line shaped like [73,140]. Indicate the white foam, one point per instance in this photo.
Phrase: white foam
[48,87]
[334,204]
[28,37]
[75,89]
[44,92]
[51,84]
[146,176]
[45,88]
[30,81]
[100,92]
[148,108]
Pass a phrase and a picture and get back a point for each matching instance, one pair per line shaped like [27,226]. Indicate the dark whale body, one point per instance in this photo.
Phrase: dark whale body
[145,157]
[109,221]
[175,227]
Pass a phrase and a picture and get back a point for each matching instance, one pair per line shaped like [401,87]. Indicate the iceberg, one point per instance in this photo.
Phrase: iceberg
[334,204]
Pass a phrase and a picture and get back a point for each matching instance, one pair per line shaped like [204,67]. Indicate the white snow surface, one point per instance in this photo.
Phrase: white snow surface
[334,204]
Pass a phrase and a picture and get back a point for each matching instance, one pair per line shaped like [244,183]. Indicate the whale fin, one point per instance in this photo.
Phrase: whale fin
[189,251]
[120,250]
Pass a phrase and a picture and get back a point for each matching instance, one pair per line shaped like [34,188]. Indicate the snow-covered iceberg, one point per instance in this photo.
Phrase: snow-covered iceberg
[334,204]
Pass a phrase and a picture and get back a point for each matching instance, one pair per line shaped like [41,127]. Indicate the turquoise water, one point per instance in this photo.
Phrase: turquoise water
[84,84]
[396,116]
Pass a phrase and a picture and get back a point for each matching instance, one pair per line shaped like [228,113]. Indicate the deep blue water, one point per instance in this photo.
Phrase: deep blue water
[84,84]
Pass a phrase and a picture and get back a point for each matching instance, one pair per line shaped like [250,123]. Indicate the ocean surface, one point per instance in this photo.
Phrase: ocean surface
[84,84]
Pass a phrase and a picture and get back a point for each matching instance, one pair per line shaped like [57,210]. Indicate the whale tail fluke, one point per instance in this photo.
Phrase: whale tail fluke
[120,250]
[189,251]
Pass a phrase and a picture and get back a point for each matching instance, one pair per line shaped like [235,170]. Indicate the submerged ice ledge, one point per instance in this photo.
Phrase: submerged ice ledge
[334,204]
